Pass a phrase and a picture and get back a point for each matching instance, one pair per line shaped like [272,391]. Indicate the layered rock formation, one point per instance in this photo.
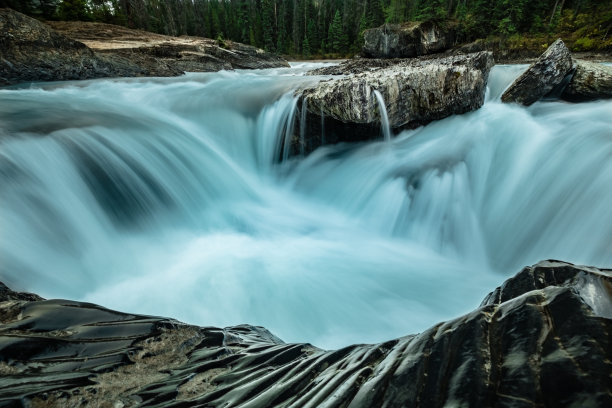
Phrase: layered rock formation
[541,339]
[407,40]
[32,51]
[415,92]
[193,54]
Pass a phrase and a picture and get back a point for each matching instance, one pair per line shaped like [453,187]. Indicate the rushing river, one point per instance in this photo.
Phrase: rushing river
[162,196]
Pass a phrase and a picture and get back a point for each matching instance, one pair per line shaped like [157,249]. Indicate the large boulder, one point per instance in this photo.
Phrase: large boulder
[542,77]
[415,92]
[541,339]
[31,51]
[407,40]
[590,81]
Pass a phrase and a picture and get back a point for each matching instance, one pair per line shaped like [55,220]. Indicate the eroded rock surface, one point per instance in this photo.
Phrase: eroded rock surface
[407,40]
[159,53]
[541,78]
[415,92]
[541,339]
[590,81]
[33,51]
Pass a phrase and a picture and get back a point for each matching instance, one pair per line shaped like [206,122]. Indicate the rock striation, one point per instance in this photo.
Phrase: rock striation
[158,52]
[541,339]
[407,40]
[590,81]
[542,77]
[415,93]
[33,51]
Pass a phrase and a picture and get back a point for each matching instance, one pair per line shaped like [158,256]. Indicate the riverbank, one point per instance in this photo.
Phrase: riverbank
[33,51]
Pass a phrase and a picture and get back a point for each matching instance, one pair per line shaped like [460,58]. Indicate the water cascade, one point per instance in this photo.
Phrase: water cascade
[303,112]
[166,197]
[384,118]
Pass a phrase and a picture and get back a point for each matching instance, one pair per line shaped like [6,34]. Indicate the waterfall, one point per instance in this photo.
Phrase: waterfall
[384,118]
[304,112]
[165,196]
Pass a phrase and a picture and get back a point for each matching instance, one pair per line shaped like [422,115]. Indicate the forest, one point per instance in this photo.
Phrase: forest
[315,28]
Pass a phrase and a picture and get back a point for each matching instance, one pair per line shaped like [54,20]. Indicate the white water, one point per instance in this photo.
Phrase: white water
[384,117]
[161,196]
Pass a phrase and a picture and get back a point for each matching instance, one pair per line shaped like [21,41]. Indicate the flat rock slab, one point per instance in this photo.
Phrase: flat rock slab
[542,76]
[541,339]
[194,54]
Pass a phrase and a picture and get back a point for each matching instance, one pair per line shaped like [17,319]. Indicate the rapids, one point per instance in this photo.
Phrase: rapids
[163,196]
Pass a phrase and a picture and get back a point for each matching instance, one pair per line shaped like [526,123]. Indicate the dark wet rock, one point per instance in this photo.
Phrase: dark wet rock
[590,81]
[541,339]
[7,294]
[407,40]
[415,92]
[541,78]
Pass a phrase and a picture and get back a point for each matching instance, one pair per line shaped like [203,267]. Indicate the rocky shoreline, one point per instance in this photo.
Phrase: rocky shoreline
[34,51]
[541,339]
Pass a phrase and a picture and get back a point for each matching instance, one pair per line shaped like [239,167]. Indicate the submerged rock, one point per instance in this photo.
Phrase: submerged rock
[541,78]
[415,92]
[541,339]
[407,40]
[590,81]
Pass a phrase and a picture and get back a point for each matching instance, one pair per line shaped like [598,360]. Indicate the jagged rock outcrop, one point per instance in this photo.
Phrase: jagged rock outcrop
[590,81]
[407,40]
[542,77]
[541,339]
[33,51]
[415,92]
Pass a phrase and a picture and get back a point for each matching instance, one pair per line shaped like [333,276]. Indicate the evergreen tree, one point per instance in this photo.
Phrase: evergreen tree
[72,10]
[374,13]
[268,25]
[334,38]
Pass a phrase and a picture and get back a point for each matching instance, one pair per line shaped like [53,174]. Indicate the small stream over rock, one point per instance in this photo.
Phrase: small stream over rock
[166,197]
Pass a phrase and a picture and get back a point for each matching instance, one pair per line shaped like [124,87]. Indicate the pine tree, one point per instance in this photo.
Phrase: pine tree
[73,10]
[268,25]
[334,38]
[306,47]
[374,13]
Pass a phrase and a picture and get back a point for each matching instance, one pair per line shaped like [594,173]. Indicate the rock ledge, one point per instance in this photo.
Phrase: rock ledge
[541,339]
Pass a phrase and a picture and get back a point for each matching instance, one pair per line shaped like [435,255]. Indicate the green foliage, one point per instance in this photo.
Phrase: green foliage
[583,44]
[74,10]
[221,41]
[315,27]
